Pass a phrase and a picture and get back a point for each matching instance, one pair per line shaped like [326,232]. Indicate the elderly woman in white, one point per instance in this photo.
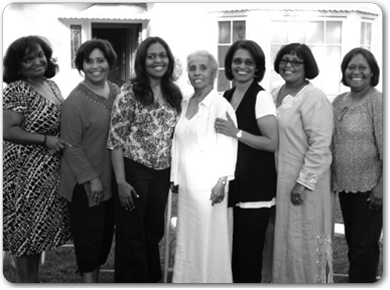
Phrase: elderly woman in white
[203,161]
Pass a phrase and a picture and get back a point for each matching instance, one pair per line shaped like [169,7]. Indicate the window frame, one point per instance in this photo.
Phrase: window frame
[221,64]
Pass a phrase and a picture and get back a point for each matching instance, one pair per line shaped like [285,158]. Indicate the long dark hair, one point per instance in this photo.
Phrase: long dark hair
[18,49]
[141,85]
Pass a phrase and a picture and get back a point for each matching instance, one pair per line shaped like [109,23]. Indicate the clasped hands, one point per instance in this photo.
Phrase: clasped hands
[55,144]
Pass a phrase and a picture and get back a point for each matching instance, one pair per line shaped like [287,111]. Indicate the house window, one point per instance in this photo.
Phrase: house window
[324,38]
[365,34]
[229,31]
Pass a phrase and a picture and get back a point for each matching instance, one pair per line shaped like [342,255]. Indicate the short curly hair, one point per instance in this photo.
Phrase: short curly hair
[16,52]
[87,47]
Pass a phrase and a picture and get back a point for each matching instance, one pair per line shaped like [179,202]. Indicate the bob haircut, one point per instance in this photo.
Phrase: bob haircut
[371,62]
[302,51]
[19,49]
[211,60]
[87,47]
[255,51]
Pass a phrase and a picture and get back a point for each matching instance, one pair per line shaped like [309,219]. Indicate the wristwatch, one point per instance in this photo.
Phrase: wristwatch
[239,134]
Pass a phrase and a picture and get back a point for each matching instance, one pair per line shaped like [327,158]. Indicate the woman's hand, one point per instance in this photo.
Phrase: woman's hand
[97,190]
[174,188]
[217,193]
[298,194]
[376,198]
[55,144]
[126,193]
[226,127]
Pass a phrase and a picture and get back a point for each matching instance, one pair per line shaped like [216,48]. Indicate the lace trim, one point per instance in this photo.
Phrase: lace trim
[311,179]
[325,260]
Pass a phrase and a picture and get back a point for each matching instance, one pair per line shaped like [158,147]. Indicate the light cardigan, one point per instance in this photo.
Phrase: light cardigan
[224,162]
[85,121]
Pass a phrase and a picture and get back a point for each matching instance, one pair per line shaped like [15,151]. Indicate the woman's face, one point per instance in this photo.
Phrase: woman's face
[243,66]
[358,73]
[200,72]
[156,62]
[292,68]
[34,64]
[96,67]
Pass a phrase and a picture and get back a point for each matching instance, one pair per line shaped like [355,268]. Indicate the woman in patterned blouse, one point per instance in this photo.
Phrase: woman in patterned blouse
[143,119]
[35,216]
[357,162]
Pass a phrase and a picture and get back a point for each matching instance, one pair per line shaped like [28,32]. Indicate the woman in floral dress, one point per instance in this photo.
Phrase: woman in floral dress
[35,216]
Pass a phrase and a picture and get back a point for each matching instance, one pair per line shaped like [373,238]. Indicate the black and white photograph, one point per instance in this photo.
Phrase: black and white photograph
[203,144]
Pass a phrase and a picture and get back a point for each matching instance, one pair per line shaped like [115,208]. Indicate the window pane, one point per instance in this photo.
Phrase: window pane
[315,32]
[317,53]
[224,32]
[362,32]
[275,79]
[333,32]
[296,31]
[239,30]
[333,79]
[222,51]
[274,52]
[223,82]
[279,32]
[368,33]
[333,56]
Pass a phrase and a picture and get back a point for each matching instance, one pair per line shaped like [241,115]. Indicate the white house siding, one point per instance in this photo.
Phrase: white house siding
[185,26]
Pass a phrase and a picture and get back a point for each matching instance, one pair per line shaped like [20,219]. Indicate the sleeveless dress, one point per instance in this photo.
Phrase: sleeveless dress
[35,217]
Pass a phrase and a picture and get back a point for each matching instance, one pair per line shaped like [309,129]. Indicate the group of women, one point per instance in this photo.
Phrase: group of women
[104,159]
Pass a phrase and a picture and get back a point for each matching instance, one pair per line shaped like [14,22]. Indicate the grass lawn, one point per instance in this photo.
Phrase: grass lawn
[60,266]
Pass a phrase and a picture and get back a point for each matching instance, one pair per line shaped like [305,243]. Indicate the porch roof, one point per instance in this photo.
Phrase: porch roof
[111,11]
[369,8]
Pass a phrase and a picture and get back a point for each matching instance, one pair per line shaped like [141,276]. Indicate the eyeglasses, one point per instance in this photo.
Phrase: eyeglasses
[294,63]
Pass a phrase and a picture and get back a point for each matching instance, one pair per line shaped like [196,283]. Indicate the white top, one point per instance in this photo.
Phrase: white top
[265,105]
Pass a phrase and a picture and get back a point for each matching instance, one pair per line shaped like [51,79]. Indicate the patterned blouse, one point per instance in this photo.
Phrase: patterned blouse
[357,145]
[144,133]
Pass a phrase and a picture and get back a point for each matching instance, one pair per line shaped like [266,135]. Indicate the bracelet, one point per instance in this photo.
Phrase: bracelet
[44,140]
[223,181]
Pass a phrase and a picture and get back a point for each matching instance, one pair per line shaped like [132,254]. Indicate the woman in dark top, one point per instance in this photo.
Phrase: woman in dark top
[252,192]
[86,168]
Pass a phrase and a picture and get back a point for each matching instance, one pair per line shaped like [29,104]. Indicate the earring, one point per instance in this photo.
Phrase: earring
[254,75]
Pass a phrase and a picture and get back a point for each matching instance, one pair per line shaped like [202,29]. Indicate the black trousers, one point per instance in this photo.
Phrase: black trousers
[363,228]
[138,232]
[249,229]
[92,230]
